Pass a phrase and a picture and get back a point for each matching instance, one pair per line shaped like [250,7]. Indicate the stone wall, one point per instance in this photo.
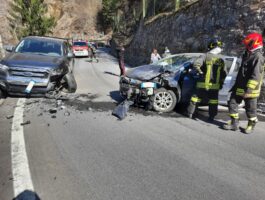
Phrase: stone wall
[189,29]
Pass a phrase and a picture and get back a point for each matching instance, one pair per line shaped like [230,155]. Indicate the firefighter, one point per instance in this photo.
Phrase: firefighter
[212,72]
[248,83]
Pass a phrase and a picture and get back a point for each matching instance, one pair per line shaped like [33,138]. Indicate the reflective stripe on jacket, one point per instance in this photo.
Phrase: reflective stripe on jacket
[250,75]
[214,72]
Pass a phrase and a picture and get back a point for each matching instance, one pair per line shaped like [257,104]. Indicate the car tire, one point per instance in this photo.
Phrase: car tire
[1,94]
[70,85]
[163,100]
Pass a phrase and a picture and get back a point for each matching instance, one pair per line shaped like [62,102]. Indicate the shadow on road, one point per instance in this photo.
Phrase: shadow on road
[27,195]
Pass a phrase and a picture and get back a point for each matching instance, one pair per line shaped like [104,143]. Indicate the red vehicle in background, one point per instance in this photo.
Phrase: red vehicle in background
[80,48]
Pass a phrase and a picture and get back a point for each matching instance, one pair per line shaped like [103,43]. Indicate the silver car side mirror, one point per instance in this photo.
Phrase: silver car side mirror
[9,48]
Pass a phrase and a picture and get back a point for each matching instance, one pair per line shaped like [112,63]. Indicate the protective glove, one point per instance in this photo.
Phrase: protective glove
[200,74]
[247,96]
[198,71]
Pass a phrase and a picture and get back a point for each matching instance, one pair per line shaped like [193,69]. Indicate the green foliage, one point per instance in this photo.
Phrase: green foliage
[108,14]
[28,17]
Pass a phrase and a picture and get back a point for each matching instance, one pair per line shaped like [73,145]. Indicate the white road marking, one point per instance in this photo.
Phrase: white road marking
[20,166]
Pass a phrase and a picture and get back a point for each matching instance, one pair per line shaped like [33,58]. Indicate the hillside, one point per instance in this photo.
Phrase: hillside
[74,18]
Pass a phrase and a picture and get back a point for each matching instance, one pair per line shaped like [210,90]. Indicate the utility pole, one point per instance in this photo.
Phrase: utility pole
[177,4]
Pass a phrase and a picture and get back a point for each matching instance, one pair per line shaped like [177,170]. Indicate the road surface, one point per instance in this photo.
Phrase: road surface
[75,149]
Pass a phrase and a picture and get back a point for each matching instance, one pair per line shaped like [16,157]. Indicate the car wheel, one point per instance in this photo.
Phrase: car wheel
[1,94]
[163,100]
[69,83]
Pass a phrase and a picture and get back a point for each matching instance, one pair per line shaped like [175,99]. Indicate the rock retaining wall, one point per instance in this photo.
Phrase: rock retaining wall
[189,29]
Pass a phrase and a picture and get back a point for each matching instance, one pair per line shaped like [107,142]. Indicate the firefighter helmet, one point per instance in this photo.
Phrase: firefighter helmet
[215,42]
[253,41]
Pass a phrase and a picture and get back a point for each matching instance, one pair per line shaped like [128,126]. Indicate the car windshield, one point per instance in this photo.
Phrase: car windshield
[174,63]
[80,44]
[40,47]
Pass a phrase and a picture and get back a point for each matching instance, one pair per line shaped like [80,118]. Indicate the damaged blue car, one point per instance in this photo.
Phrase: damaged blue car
[170,81]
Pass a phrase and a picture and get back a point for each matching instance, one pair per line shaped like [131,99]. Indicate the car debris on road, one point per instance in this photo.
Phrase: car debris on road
[9,116]
[25,123]
[121,110]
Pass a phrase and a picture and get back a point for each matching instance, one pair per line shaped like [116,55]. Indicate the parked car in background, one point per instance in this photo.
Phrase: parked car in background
[37,66]
[80,48]
[170,81]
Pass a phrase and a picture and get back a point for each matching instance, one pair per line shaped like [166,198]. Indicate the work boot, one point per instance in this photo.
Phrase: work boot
[188,115]
[250,127]
[232,125]
[210,119]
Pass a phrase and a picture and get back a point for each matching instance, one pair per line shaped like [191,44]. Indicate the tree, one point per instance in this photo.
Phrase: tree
[28,17]
[109,13]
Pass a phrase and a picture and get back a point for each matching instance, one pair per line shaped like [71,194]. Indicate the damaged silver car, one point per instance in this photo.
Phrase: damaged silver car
[172,80]
[38,66]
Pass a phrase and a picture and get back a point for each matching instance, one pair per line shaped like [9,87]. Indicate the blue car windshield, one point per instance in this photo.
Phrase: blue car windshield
[173,63]
[40,47]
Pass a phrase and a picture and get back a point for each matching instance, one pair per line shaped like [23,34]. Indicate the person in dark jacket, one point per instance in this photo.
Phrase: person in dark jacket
[212,71]
[120,55]
[248,84]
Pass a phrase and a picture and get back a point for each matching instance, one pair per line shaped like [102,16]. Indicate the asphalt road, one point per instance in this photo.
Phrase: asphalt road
[78,150]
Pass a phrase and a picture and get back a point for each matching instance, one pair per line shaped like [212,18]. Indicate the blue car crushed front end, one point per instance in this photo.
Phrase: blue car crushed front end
[181,82]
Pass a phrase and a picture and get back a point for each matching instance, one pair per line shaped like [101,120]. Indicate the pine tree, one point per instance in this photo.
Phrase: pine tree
[28,17]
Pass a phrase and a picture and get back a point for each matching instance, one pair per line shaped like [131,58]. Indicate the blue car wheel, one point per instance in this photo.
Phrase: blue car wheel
[163,100]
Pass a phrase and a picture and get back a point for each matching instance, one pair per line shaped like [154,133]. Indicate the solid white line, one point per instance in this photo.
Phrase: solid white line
[20,166]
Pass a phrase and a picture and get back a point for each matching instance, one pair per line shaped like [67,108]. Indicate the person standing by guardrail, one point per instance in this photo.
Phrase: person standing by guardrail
[166,52]
[155,56]
[120,55]
[248,84]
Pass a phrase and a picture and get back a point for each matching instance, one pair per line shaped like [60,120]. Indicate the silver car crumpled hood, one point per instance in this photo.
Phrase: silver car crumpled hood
[145,72]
